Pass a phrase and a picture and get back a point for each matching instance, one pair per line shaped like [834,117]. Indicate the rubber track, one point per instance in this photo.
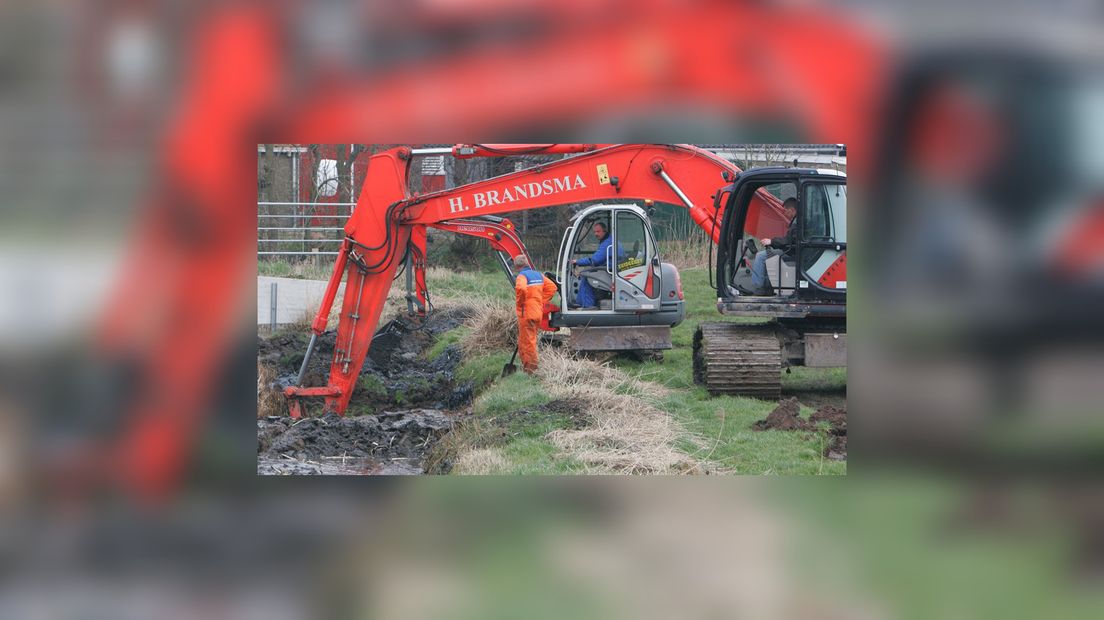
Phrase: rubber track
[742,360]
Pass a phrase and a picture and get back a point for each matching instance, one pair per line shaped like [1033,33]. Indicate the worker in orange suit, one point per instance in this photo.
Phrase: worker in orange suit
[533,290]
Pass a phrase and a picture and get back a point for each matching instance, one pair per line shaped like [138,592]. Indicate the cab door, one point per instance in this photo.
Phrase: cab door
[578,241]
[823,243]
[633,262]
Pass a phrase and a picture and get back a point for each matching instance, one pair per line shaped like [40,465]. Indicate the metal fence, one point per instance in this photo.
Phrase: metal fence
[285,228]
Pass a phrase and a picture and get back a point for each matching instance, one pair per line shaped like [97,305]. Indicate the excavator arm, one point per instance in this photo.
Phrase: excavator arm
[388,224]
[499,232]
[682,175]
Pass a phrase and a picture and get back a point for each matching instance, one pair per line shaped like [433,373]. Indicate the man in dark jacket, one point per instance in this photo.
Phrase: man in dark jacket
[777,245]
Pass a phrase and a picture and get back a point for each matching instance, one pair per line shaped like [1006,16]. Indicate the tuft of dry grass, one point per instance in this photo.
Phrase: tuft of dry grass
[481,462]
[567,374]
[493,325]
[627,433]
[269,400]
[466,435]
[686,253]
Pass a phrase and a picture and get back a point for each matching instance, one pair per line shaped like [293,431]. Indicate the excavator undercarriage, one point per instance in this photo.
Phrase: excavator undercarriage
[742,359]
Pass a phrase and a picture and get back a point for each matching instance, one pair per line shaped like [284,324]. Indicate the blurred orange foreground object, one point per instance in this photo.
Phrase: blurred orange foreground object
[189,272]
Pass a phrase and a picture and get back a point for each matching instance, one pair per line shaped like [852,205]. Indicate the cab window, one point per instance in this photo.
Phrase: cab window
[825,217]
[818,221]
[632,242]
[586,242]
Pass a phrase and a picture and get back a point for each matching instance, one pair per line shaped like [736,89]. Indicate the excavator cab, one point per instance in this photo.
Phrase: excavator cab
[779,269]
[812,269]
[632,287]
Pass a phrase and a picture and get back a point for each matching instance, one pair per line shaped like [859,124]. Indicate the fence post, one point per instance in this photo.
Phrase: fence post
[272,309]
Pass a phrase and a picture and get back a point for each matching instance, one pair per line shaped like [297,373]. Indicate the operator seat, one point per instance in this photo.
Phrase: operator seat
[782,273]
[781,278]
[599,280]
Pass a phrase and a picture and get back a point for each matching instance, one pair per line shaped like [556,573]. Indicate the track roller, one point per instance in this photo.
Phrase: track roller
[738,359]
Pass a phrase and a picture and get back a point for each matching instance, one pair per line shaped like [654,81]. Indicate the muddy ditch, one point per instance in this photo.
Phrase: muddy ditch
[402,406]
[787,417]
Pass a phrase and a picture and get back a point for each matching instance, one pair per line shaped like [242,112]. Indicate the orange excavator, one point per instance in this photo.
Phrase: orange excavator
[641,296]
[812,73]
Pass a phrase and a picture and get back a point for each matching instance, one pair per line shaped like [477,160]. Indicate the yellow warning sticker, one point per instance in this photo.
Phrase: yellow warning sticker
[629,264]
[603,174]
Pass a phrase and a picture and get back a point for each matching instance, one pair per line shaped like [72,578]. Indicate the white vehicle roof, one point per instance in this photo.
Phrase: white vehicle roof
[622,207]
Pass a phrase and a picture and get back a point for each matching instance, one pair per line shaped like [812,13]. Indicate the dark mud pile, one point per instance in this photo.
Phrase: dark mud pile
[786,417]
[837,430]
[402,405]
[395,373]
[393,442]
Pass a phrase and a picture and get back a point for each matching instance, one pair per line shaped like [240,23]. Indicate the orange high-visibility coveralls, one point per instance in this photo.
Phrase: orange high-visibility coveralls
[532,290]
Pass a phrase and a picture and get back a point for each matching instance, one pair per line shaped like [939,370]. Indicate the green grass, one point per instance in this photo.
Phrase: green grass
[508,416]
[484,369]
[371,385]
[721,423]
[462,285]
[445,340]
[310,268]
[517,391]
[514,409]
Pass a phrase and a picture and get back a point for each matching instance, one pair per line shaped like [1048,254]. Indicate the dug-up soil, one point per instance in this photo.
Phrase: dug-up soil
[787,417]
[402,405]
[391,443]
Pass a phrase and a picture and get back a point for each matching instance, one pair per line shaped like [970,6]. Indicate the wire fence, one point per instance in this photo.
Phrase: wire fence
[301,228]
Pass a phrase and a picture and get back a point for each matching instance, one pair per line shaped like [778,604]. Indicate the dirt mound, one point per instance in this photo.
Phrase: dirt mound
[837,448]
[334,466]
[834,416]
[411,381]
[785,417]
[399,340]
[284,352]
[837,429]
[395,374]
[400,434]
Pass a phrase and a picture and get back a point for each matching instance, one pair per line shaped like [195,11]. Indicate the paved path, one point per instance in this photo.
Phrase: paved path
[296,299]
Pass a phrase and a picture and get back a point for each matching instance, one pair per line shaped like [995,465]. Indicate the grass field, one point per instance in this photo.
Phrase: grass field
[713,431]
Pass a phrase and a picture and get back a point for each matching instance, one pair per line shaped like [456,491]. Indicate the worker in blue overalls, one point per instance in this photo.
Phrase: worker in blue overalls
[586,297]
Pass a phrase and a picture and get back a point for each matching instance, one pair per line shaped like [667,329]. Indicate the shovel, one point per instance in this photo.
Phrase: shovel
[510,369]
